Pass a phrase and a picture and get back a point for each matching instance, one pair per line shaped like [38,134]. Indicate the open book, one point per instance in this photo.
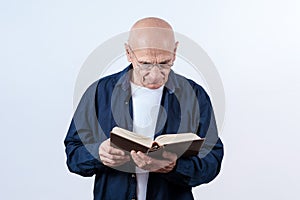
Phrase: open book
[183,144]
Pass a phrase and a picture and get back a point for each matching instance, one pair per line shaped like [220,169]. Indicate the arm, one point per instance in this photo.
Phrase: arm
[205,167]
[195,170]
[86,142]
[82,158]
[81,145]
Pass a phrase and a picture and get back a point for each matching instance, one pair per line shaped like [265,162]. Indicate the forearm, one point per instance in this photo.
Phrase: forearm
[83,159]
[194,171]
[82,150]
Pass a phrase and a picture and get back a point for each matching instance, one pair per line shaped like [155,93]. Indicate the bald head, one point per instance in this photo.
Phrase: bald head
[151,22]
[151,32]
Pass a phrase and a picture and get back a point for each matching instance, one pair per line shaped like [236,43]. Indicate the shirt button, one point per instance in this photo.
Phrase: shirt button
[133,175]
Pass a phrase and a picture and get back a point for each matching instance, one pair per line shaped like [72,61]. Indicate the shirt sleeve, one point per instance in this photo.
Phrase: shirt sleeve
[80,142]
[196,170]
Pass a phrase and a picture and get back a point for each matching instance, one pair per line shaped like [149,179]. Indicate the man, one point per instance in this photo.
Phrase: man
[148,98]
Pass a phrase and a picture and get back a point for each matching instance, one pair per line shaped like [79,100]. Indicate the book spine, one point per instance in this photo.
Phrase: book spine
[126,144]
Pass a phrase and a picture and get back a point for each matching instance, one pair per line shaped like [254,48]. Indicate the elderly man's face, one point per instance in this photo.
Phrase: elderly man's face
[151,67]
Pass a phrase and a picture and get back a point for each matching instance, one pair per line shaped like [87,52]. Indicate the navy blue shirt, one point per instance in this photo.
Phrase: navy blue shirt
[185,107]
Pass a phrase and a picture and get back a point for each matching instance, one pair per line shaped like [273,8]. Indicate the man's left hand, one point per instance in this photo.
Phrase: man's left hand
[155,165]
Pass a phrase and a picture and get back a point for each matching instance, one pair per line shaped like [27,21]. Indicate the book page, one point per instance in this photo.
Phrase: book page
[175,138]
[146,141]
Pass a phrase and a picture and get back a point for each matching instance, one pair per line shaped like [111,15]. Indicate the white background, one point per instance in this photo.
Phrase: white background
[254,44]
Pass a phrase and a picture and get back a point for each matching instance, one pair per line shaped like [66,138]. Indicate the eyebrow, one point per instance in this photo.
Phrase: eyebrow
[162,62]
[165,61]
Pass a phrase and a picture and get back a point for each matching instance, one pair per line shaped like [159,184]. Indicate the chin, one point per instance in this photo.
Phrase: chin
[153,86]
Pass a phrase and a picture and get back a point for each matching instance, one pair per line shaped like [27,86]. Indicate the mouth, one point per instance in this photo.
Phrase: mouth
[153,82]
[153,86]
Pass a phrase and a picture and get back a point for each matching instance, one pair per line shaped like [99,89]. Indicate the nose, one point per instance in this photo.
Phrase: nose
[155,72]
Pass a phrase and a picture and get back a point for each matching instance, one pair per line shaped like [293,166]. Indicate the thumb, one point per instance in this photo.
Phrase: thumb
[169,155]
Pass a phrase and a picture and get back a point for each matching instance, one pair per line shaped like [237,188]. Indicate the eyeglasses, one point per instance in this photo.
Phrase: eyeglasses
[149,66]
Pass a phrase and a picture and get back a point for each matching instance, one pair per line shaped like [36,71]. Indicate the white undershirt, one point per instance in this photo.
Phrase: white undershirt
[145,104]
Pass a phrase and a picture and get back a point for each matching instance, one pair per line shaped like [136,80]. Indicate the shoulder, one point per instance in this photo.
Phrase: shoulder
[110,81]
[184,82]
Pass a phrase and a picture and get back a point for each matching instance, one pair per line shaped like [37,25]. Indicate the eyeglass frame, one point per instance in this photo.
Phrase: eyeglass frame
[150,65]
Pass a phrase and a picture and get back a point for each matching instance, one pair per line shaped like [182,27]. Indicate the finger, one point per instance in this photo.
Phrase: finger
[164,170]
[111,163]
[113,157]
[108,162]
[114,151]
[158,164]
[164,166]
[144,157]
[107,147]
[138,160]
[104,154]
[170,166]
[169,156]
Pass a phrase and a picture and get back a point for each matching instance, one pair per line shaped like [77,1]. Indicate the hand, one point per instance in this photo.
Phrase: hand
[154,165]
[111,156]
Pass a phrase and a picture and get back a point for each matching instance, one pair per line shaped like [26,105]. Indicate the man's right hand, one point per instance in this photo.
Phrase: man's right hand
[111,156]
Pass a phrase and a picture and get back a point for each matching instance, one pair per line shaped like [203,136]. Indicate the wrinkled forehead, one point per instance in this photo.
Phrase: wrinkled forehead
[153,53]
[152,38]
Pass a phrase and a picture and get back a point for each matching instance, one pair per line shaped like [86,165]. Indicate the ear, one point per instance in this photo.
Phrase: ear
[127,50]
[175,49]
